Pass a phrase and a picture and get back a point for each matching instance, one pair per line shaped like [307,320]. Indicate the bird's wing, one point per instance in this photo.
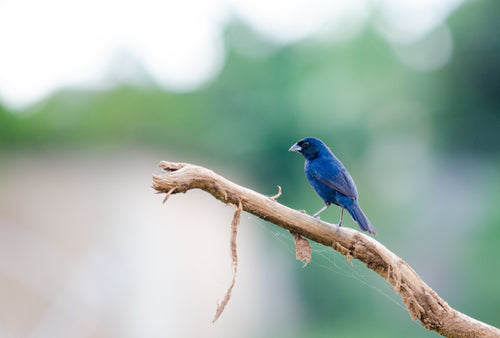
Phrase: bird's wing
[336,178]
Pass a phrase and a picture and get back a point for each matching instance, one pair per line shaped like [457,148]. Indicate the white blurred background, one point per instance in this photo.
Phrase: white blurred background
[97,44]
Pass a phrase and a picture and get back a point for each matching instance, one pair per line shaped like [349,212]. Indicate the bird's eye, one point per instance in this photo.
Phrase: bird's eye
[305,144]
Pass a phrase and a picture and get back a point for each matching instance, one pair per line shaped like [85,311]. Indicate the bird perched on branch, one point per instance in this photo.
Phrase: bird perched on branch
[331,180]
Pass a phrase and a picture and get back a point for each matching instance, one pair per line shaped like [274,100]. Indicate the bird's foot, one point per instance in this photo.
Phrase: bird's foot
[338,227]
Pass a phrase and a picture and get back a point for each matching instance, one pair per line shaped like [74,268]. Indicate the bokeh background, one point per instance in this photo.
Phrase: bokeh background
[94,94]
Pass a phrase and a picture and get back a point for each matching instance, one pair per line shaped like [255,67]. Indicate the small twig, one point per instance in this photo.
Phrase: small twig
[277,195]
[167,195]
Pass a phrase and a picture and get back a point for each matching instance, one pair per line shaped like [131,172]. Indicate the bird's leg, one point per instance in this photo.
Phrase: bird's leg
[322,209]
[341,215]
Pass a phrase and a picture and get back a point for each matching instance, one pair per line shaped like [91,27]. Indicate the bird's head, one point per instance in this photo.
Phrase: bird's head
[310,147]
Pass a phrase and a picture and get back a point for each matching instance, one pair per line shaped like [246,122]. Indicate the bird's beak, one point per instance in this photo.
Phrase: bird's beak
[296,148]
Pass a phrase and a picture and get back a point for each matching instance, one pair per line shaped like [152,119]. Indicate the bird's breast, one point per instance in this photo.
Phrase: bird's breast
[326,193]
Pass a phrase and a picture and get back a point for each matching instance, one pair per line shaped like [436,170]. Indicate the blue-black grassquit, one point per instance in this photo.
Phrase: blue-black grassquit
[331,180]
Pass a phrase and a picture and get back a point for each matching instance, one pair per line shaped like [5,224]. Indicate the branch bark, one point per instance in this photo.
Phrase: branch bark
[422,302]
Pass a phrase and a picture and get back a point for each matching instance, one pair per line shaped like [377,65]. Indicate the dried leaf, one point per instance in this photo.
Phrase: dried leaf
[302,248]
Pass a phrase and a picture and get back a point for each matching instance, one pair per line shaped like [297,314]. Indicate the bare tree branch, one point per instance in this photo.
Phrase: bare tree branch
[422,302]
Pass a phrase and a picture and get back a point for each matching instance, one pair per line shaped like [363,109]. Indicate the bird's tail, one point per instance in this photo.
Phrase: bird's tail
[359,216]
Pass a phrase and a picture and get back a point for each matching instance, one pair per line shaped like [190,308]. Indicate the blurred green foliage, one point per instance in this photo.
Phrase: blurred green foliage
[359,99]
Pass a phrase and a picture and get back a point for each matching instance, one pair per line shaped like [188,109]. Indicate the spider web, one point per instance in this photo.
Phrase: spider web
[331,260]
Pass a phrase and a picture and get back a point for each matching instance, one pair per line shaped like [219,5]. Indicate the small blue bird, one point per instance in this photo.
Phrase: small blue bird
[331,180]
